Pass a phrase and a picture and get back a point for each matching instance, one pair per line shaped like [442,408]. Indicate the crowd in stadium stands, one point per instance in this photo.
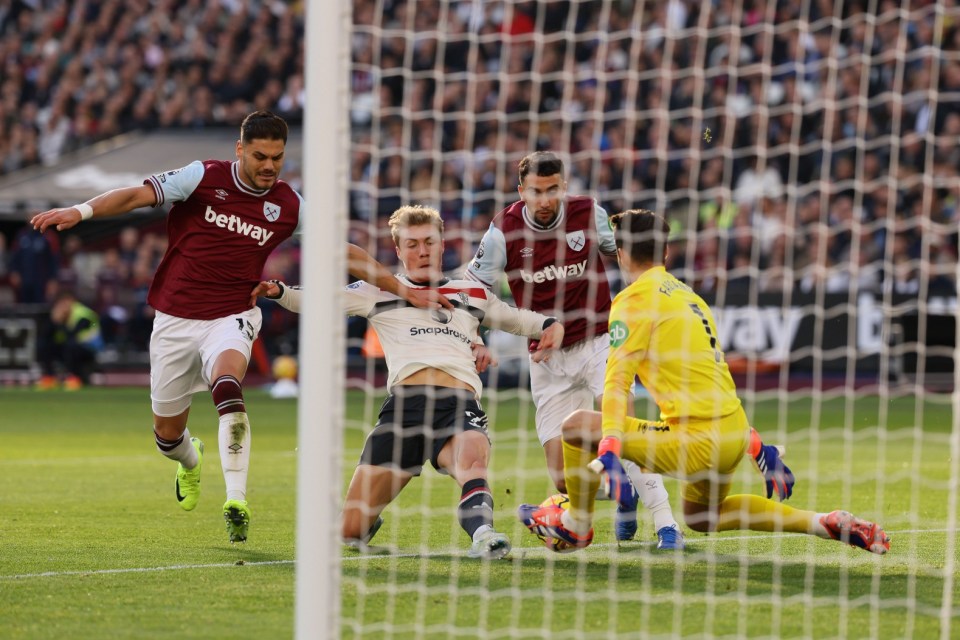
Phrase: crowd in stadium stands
[811,178]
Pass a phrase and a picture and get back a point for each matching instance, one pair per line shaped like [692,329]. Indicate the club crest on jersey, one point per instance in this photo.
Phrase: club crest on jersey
[464,297]
[576,241]
[271,211]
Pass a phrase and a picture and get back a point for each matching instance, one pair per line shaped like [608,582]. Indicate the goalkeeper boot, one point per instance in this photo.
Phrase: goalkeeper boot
[857,532]
[236,514]
[188,480]
[489,545]
[545,523]
[670,538]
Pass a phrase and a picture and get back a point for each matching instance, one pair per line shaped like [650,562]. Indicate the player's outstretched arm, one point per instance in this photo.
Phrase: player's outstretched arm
[361,264]
[111,203]
[283,294]
[267,289]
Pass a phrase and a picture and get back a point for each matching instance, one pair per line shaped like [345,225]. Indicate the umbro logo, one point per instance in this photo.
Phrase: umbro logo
[221,194]
[236,447]
[526,252]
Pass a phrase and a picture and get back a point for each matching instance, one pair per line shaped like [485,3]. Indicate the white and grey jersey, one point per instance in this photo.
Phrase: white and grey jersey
[415,339]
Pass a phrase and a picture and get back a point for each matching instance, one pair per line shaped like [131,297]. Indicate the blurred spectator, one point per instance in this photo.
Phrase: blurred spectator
[70,345]
[34,265]
[73,73]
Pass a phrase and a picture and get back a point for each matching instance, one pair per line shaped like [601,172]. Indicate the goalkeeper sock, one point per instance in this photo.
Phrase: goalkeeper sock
[582,484]
[744,511]
[234,439]
[180,449]
[476,506]
[652,494]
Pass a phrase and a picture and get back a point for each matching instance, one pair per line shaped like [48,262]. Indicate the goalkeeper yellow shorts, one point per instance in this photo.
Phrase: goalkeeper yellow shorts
[703,454]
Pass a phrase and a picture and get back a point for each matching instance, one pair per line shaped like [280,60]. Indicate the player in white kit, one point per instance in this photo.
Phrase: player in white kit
[433,408]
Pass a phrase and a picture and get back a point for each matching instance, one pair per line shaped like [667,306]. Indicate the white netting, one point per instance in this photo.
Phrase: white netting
[807,155]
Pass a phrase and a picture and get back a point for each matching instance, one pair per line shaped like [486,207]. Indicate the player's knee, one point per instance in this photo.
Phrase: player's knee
[581,428]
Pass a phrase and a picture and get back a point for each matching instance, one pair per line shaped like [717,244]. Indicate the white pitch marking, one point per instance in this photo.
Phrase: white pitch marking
[373,556]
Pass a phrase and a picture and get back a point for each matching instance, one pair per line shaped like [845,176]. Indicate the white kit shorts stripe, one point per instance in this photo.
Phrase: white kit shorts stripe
[182,354]
[571,379]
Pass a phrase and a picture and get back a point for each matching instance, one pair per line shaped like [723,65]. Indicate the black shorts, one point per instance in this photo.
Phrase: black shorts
[415,422]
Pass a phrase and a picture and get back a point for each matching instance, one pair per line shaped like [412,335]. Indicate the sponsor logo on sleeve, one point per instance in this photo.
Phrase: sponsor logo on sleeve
[618,333]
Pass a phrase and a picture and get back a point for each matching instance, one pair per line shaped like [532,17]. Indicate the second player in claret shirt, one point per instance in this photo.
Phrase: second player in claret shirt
[548,245]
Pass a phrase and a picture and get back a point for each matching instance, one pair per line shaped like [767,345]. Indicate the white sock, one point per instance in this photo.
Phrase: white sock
[184,453]
[234,437]
[482,529]
[578,526]
[818,529]
[652,494]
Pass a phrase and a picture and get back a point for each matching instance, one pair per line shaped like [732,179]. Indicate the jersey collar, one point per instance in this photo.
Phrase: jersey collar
[440,283]
[241,185]
[533,224]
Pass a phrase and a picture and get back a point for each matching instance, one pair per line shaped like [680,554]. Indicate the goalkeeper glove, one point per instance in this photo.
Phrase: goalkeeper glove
[616,482]
[776,474]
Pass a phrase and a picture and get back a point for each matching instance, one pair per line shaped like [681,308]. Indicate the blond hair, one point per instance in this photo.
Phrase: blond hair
[413,215]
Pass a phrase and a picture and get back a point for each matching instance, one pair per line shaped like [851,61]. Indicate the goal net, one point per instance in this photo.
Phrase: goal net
[806,155]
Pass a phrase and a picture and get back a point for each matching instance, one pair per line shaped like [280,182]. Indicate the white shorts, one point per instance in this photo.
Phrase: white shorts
[571,379]
[182,354]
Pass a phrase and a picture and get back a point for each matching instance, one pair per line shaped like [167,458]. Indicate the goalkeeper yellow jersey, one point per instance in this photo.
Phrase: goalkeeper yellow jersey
[664,333]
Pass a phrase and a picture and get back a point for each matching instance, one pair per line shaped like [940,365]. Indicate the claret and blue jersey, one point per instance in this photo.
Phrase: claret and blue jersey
[220,234]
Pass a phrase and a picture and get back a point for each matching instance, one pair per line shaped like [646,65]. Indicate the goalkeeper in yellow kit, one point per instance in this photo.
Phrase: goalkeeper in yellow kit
[664,333]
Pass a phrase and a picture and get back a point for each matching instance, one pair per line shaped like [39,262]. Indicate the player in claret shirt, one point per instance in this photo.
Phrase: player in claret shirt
[226,219]
[549,245]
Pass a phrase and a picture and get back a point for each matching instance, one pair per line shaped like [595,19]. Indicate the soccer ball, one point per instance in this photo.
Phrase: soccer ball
[285,368]
[554,544]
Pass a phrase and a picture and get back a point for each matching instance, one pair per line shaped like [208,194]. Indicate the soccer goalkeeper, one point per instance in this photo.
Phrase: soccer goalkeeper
[664,333]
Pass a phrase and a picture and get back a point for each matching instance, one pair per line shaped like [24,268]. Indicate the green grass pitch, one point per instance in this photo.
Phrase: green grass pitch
[92,544]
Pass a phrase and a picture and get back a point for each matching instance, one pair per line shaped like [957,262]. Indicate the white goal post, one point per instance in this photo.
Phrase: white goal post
[320,410]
